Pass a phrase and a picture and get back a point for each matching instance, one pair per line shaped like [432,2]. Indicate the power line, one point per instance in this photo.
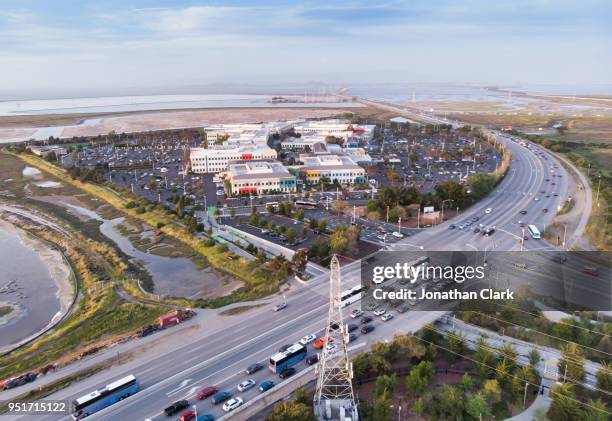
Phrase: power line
[513,376]
[498,351]
[543,333]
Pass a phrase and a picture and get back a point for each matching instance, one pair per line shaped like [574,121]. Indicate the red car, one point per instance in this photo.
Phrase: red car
[206,392]
[187,416]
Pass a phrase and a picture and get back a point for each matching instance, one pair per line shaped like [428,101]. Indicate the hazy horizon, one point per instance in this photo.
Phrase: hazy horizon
[69,48]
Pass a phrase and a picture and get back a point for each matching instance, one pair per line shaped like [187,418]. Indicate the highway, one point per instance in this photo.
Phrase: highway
[218,354]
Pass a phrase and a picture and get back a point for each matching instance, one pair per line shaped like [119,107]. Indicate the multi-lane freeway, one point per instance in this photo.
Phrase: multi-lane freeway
[218,353]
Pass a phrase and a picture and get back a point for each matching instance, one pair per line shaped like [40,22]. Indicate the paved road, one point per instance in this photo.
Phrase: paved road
[219,355]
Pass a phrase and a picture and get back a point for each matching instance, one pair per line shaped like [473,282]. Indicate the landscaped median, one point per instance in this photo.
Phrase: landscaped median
[261,278]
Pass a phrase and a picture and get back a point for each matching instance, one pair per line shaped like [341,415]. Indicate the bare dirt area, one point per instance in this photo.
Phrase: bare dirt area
[15,133]
[192,118]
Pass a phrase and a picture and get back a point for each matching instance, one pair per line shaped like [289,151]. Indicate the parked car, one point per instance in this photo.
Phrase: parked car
[379,312]
[356,313]
[386,317]
[351,327]
[367,329]
[365,319]
[352,337]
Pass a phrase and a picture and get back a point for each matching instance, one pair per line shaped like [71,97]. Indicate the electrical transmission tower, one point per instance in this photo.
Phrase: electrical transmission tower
[334,398]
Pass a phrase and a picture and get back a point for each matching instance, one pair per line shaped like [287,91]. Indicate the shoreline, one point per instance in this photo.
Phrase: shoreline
[59,270]
[37,121]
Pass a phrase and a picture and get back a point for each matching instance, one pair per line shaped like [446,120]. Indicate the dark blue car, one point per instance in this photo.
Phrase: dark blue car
[267,385]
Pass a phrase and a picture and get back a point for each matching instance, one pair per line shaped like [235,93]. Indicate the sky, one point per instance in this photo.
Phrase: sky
[63,47]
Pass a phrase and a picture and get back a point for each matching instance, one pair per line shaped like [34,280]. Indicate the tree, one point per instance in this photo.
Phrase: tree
[604,376]
[456,346]
[481,184]
[484,358]
[419,377]
[477,407]
[491,391]
[384,385]
[449,403]
[291,411]
[466,382]
[509,354]
[304,233]
[299,261]
[571,364]
[416,384]
[290,235]
[564,406]
[534,358]
[323,225]
[299,214]
[419,407]
[596,411]
[338,241]
[452,191]
[382,409]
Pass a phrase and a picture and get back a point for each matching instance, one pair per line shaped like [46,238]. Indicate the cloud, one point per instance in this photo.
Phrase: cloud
[117,44]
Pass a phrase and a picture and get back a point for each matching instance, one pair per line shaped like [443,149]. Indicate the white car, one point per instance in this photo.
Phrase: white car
[536,199]
[356,313]
[397,234]
[379,312]
[307,339]
[246,385]
[220,192]
[488,210]
[387,316]
[232,404]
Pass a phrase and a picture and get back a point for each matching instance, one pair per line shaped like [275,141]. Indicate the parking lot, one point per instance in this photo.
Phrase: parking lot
[427,161]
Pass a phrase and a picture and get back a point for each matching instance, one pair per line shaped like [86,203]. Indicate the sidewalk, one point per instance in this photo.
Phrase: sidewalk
[541,402]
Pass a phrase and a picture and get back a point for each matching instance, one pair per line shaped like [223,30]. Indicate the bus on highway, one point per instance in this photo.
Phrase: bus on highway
[308,204]
[535,233]
[104,397]
[350,296]
[281,360]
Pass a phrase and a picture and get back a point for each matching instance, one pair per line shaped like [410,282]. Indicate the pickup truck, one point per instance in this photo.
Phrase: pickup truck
[176,407]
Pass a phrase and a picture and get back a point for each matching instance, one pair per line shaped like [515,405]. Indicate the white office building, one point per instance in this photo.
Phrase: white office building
[217,158]
[334,167]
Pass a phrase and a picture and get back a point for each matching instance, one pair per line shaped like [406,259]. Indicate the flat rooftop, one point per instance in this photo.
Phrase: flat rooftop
[254,169]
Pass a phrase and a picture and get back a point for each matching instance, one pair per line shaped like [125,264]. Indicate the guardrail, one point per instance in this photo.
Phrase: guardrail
[254,406]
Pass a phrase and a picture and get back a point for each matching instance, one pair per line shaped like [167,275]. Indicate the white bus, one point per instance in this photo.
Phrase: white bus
[535,233]
[350,296]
